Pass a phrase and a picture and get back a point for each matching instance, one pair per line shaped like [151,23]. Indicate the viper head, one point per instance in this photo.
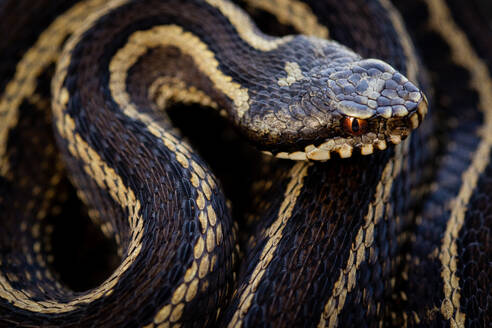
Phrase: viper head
[332,102]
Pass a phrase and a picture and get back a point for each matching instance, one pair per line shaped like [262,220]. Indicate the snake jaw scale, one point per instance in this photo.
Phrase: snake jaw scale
[381,144]
[367,149]
[395,139]
[345,151]
[422,107]
[298,156]
[318,155]
[282,155]
[414,120]
[309,148]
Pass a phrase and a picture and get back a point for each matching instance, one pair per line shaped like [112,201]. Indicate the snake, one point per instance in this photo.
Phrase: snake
[356,220]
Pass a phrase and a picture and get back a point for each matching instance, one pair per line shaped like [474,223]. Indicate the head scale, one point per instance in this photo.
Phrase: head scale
[330,101]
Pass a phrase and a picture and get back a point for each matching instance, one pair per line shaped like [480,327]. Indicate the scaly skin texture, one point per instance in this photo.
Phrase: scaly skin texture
[334,241]
[332,258]
[450,242]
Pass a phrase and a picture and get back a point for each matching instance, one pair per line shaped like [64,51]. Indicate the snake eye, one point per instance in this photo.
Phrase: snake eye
[354,126]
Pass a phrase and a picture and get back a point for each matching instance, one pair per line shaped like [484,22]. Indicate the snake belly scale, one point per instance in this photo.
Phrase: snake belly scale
[328,242]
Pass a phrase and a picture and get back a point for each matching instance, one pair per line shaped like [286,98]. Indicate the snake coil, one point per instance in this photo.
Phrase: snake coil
[340,238]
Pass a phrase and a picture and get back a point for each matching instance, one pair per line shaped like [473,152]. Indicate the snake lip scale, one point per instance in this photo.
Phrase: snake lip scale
[343,147]
[335,93]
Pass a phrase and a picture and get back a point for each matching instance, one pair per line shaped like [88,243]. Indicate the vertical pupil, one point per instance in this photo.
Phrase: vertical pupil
[355,125]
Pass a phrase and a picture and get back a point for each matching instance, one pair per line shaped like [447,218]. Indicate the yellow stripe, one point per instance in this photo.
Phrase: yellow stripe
[44,52]
[463,54]
[245,27]
[346,279]
[211,232]
[295,13]
[294,74]
[103,175]
[363,240]
[170,35]
[274,233]
[172,89]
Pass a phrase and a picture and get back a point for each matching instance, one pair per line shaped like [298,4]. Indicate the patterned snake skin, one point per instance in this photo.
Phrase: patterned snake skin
[450,245]
[400,237]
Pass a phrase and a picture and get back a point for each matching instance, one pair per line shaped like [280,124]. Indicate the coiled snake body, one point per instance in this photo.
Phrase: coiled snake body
[343,242]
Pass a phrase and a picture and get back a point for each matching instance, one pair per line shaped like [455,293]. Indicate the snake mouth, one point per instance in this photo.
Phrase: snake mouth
[392,132]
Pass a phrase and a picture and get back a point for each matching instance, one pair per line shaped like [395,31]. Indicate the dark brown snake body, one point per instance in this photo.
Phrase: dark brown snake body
[397,238]
[462,271]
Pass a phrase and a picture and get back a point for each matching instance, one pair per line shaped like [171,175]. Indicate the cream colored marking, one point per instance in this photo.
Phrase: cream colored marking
[169,35]
[177,312]
[211,182]
[212,218]
[103,175]
[294,74]
[44,52]
[462,53]
[363,241]
[191,272]
[171,89]
[395,139]
[22,86]
[203,268]
[181,151]
[295,13]
[282,155]
[274,234]
[339,145]
[309,148]
[318,155]
[213,263]
[366,149]
[422,108]
[200,200]
[178,294]
[245,27]
[210,240]
[381,145]
[345,151]
[199,248]
[414,120]
[298,156]
[206,190]
[219,234]
[202,219]
[192,290]
[182,160]
[194,180]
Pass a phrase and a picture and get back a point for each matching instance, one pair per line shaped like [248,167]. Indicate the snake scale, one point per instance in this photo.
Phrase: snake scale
[355,221]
